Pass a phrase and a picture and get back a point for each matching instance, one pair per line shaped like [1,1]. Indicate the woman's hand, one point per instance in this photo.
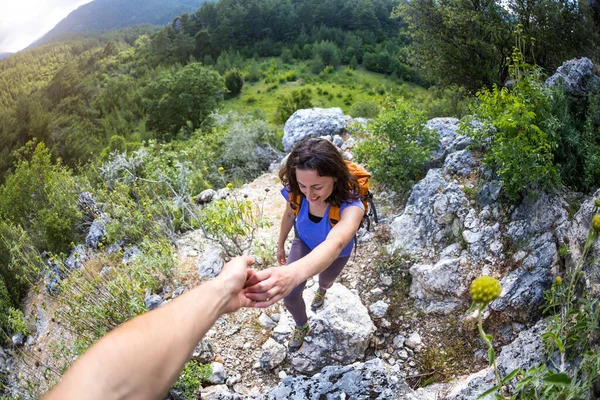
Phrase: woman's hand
[281,257]
[273,285]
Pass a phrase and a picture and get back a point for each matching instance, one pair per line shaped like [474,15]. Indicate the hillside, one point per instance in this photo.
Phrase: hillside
[106,15]
[4,55]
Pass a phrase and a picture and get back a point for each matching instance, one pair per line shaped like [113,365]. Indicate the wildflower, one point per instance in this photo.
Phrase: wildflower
[221,169]
[558,281]
[485,289]
[229,185]
[597,202]
[596,223]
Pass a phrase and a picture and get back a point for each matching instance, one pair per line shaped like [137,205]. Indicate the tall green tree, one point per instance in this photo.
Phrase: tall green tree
[462,42]
[182,99]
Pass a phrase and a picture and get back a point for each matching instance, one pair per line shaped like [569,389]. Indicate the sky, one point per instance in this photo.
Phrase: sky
[24,21]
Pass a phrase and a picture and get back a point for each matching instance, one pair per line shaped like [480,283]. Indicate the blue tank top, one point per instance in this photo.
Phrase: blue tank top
[315,233]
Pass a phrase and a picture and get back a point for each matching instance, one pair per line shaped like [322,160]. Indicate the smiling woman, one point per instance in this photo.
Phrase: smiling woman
[315,179]
[22,22]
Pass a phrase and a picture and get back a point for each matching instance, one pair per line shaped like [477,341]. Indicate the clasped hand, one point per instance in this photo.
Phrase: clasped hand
[250,288]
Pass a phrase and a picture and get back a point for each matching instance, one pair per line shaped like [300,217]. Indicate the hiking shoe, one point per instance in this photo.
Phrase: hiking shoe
[297,340]
[318,300]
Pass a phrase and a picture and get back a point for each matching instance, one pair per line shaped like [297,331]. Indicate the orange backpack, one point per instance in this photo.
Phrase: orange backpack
[362,176]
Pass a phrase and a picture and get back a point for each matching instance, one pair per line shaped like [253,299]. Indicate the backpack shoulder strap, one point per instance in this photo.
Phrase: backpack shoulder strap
[295,203]
[334,215]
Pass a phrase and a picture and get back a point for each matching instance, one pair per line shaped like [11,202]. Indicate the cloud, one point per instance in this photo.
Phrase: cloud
[24,21]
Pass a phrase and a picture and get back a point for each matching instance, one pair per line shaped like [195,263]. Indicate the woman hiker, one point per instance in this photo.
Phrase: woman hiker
[316,179]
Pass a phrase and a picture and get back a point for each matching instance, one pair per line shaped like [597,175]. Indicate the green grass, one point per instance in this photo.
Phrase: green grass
[340,88]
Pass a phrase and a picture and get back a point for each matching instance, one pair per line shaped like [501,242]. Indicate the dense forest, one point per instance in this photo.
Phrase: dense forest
[136,118]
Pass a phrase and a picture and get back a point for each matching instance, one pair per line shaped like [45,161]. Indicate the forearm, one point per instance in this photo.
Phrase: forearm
[317,260]
[128,363]
[287,224]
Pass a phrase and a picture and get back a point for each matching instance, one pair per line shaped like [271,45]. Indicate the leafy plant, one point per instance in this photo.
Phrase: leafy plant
[234,81]
[298,99]
[191,379]
[232,224]
[399,145]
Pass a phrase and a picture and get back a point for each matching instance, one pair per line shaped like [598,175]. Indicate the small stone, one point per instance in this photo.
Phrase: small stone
[247,345]
[267,322]
[398,341]
[219,359]
[386,280]
[282,374]
[376,292]
[414,341]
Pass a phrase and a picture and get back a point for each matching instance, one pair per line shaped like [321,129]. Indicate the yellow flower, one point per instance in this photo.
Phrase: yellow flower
[596,223]
[221,169]
[485,289]
[558,281]
[597,202]
[229,185]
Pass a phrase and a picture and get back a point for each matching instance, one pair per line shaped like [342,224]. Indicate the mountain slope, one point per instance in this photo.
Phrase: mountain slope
[104,15]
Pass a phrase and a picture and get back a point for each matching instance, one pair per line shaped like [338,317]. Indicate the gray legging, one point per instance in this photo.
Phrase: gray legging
[294,301]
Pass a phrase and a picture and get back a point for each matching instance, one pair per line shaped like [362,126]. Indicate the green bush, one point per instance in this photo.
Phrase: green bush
[234,81]
[191,379]
[577,153]
[42,197]
[517,127]
[327,51]
[238,155]
[365,109]
[182,99]
[253,74]
[231,223]
[287,105]
[317,65]
[399,145]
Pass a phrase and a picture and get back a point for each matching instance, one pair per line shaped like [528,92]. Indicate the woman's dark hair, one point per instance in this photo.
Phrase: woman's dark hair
[320,155]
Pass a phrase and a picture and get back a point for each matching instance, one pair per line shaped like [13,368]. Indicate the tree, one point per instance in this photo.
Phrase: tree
[182,99]
[459,42]
[297,100]
[234,81]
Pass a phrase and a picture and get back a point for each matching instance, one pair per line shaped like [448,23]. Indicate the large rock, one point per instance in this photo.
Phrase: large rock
[313,122]
[426,222]
[577,233]
[97,231]
[525,352]
[210,264]
[369,380]
[576,76]
[438,288]
[341,331]
[450,139]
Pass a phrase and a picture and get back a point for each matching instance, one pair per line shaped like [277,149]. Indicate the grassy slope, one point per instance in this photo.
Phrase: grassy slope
[340,88]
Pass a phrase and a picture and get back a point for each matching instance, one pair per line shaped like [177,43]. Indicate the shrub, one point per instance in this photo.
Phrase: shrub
[286,56]
[517,129]
[398,146]
[238,154]
[365,109]
[328,52]
[232,224]
[191,379]
[317,65]
[291,75]
[254,74]
[234,81]
[42,198]
[287,105]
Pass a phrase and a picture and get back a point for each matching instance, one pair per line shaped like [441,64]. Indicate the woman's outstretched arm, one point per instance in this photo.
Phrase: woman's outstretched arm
[143,357]
[275,283]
